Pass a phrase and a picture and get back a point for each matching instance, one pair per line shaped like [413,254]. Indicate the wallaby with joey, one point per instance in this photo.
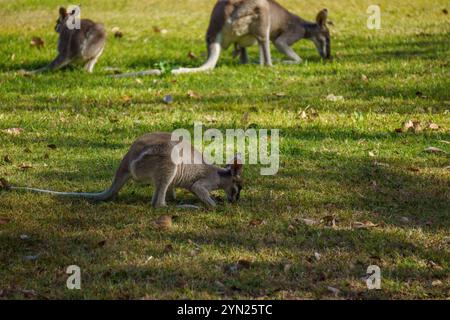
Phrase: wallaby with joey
[243,23]
[157,159]
[84,44]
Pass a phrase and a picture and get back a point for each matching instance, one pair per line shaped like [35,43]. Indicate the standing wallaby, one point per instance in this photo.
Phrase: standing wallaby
[154,158]
[85,44]
[246,22]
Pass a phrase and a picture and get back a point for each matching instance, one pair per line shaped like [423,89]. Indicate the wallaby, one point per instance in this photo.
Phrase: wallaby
[155,158]
[85,44]
[246,22]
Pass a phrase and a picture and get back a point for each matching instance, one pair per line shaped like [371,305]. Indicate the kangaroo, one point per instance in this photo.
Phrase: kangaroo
[85,44]
[246,22]
[155,158]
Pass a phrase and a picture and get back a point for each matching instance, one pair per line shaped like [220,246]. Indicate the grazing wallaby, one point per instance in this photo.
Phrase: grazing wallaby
[85,44]
[246,22]
[154,158]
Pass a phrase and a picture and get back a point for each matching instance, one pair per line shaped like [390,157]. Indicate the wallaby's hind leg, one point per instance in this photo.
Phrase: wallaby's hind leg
[171,194]
[159,195]
[162,182]
[59,62]
[91,63]
[244,56]
[284,48]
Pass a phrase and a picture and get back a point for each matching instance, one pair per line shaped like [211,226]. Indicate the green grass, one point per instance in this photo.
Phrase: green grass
[326,168]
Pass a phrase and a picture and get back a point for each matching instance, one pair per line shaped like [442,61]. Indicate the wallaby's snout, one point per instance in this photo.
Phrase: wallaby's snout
[321,36]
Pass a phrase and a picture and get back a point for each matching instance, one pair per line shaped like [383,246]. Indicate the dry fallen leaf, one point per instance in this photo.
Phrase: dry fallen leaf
[126,99]
[192,94]
[364,78]
[244,264]
[256,222]
[164,222]
[330,220]
[159,30]
[331,97]
[433,126]
[117,32]
[434,150]
[192,55]
[436,283]
[25,166]
[13,131]
[333,290]
[308,222]
[37,42]
[101,244]
[4,220]
[210,118]
[364,225]
[168,248]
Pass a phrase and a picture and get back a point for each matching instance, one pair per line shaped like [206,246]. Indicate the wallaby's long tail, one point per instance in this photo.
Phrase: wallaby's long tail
[121,177]
[214,54]
[152,72]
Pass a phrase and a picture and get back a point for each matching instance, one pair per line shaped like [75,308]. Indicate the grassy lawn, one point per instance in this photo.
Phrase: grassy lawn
[343,161]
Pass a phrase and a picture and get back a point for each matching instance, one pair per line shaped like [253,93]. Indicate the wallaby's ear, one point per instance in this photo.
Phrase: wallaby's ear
[321,18]
[236,167]
[62,12]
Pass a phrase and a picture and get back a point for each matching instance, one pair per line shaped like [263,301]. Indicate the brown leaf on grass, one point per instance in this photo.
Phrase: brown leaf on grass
[364,78]
[364,225]
[244,264]
[168,248]
[7,159]
[13,131]
[333,98]
[192,56]
[117,32]
[433,126]
[25,166]
[101,244]
[413,169]
[412,126]
[308,222]
[4,220]
[126,99]
[334,291]
[4,185]
[159,30]
[164,222]
[434,150]
[25,73]
[256,222]
[210,118]
[330,220]
[37,42]
[193,94]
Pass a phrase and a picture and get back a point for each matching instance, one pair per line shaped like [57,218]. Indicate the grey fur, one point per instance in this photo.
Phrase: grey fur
[149,160]
[78,45]
[243,23]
